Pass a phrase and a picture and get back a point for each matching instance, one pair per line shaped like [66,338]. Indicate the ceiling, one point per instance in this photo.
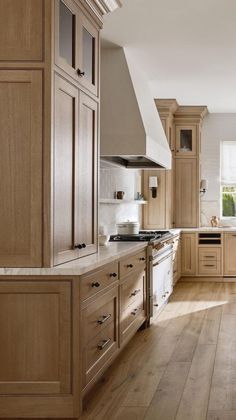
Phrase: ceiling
[186,48]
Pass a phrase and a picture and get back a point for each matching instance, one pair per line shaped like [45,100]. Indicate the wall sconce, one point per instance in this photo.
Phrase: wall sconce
[203,186]
[153,184]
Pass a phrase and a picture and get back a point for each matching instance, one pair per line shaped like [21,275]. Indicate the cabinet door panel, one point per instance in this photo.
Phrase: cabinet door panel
[186,193]
[229,254]
[88,54]
[21,34]
[186,140]
[86,177]
[35,325]
[66,133]
[21,168]
[188,254]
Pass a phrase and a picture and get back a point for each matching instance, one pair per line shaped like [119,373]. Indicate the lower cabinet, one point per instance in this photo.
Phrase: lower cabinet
[36,335]
[176,260]
[99,328]
[188,254]
[230,254]
[132,304]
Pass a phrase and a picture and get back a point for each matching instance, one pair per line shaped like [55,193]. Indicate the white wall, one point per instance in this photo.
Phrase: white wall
[118,179]
[216,128]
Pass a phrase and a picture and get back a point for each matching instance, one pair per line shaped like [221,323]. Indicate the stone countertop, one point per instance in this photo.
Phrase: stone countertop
[209,229]
[107,254]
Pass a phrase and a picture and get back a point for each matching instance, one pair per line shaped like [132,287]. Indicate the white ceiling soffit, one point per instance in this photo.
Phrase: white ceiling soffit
[187,49]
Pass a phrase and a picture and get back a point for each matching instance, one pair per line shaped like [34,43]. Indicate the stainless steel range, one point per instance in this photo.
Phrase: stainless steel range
[159,267]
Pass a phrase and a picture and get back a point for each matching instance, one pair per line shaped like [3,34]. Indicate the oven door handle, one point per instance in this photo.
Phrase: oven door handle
[163,259]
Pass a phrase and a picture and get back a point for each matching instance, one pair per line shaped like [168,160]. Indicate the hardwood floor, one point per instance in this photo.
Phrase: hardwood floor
[181,368]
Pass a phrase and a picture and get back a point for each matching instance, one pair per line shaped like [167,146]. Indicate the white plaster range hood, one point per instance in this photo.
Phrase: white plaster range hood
[131,130]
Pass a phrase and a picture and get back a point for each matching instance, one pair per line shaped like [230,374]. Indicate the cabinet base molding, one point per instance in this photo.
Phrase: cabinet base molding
[210,279]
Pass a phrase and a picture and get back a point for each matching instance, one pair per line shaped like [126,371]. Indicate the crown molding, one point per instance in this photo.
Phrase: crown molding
[166,107]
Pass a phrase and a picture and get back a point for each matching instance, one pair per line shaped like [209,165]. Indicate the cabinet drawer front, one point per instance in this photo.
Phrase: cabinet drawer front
[209,254]
[93,283]
[132,290]
[129,319]
[209,267]
[98,351]
[99,314]
[132,263]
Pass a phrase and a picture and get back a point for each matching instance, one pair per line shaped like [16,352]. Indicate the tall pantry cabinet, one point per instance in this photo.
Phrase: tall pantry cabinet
[178,194]
[49,112]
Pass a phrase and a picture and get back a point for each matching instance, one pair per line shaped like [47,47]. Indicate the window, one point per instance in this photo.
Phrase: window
[228,178]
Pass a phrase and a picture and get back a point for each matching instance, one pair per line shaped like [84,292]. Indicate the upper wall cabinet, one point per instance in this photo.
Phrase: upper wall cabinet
[186,141]
[21,33]
[75,173]
[76,44]
[21,168]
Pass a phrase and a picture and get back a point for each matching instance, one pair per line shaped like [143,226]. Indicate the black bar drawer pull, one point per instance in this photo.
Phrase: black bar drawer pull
[209,265]
[134,312]
[113,275]
[103,344]
[135,292]
[130,265]
[103,319]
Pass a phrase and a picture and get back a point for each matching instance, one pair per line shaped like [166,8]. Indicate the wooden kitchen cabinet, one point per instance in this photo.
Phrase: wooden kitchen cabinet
[21,33]
[188,254]
[229,259]
[186,190]
[99,325]
[186,141]
[77,44]
[75,173]
[21,168]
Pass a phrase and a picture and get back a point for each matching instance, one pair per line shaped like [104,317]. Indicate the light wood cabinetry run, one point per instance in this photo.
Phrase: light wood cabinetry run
[230,254]
[188,254]
[49,103]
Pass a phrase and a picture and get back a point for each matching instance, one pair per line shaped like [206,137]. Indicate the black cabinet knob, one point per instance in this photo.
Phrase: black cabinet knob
[142,259]
[113,275]
[83,245]
[78,246]
[96,284]
[130,265]
[80,73]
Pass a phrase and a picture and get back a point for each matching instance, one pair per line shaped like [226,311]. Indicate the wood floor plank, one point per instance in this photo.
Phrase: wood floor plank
[211,326]
[186,346]
[144,384]
[165,402]
[194,402]
[221,415]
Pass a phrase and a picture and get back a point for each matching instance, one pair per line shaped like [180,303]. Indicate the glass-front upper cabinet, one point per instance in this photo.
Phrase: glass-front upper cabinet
[76,44]
[186,140]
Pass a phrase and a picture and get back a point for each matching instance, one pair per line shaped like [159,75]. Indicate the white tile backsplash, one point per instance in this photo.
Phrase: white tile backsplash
[114,179]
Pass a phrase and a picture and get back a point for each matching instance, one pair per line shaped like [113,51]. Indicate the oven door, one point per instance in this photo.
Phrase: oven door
[161,279]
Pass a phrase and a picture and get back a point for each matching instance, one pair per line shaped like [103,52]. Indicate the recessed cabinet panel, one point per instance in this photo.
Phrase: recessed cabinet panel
[21,168]
[186,141]
[21,33]
[188,254]
[86,177]
[66,134]
[186,214]
[35,325]
[229,254]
